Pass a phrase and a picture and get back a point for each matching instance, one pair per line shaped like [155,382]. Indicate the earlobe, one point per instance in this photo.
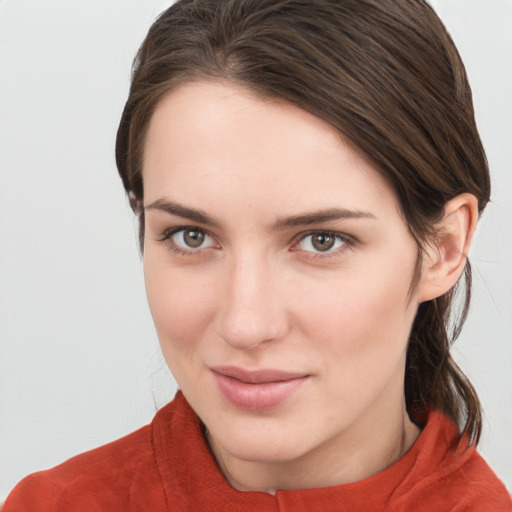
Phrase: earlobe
[444,260]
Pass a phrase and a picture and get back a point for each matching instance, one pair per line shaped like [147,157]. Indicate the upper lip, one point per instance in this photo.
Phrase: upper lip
[257,376]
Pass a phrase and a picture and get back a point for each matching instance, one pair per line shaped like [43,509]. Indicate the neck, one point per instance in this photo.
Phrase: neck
[372,444]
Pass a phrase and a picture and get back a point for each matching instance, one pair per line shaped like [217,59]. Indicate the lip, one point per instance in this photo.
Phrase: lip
[257,390]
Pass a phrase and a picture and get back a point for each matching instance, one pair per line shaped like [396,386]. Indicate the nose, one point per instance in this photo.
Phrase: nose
[251,312]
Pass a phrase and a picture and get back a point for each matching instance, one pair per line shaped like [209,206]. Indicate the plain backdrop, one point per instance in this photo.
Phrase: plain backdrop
[79,358]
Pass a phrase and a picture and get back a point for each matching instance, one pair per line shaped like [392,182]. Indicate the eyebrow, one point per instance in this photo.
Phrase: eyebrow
[321,216]
[315,217]
[183,211]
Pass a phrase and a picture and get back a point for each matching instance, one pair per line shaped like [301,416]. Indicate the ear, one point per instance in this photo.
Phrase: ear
[444,259]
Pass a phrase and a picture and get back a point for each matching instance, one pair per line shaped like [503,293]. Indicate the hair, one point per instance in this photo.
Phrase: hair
[384,73]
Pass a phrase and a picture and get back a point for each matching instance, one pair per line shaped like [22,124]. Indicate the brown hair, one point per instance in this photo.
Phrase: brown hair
[387,75]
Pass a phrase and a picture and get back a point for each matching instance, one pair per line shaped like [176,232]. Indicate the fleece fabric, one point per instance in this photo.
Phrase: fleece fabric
[167,466]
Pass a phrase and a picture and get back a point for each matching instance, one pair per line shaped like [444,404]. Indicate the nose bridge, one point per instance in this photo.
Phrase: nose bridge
[251,312]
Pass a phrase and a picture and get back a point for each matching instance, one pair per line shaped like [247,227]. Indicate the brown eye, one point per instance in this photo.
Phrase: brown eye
[193,238]
[189,239]
[323,241]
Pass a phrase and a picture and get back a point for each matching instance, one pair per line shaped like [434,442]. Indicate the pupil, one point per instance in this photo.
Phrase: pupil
[323,242]
[193,238]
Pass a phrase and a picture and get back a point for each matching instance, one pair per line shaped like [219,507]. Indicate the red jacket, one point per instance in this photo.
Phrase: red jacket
[167,466]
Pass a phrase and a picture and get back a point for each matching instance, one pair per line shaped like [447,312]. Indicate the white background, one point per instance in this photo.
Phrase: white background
[79,359]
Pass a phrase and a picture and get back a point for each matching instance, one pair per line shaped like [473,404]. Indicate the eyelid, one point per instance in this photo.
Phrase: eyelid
[167,234]
[348,242]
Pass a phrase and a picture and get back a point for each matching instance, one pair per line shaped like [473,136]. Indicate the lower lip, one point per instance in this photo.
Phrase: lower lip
[257,397]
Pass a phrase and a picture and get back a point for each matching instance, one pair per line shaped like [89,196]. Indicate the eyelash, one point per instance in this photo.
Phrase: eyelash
[166,238]
[348,241]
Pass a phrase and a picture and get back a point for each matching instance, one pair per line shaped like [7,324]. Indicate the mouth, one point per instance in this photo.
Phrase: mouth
[257,390]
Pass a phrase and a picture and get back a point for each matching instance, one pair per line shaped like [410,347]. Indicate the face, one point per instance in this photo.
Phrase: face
[277,269]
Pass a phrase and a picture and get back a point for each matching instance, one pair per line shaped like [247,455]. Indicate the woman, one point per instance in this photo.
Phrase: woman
[308,177]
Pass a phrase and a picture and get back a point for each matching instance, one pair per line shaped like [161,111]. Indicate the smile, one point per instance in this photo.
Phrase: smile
[256,390]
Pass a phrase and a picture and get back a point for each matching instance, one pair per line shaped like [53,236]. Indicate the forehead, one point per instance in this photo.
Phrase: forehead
[210,138]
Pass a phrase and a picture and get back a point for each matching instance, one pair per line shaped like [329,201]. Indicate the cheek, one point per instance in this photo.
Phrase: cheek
[362,319]
[361,301]
[181,305]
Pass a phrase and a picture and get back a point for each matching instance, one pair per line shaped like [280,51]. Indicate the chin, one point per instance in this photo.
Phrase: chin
[262,445]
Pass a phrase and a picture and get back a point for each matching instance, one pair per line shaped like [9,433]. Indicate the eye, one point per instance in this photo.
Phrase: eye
[188,239]
[322,242]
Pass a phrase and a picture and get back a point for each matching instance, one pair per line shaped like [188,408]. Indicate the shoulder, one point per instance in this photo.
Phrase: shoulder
[472,485]
[109,476]
[482,489]
[452,475]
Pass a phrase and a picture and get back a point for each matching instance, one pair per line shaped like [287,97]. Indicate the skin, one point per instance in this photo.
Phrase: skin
[256,293]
